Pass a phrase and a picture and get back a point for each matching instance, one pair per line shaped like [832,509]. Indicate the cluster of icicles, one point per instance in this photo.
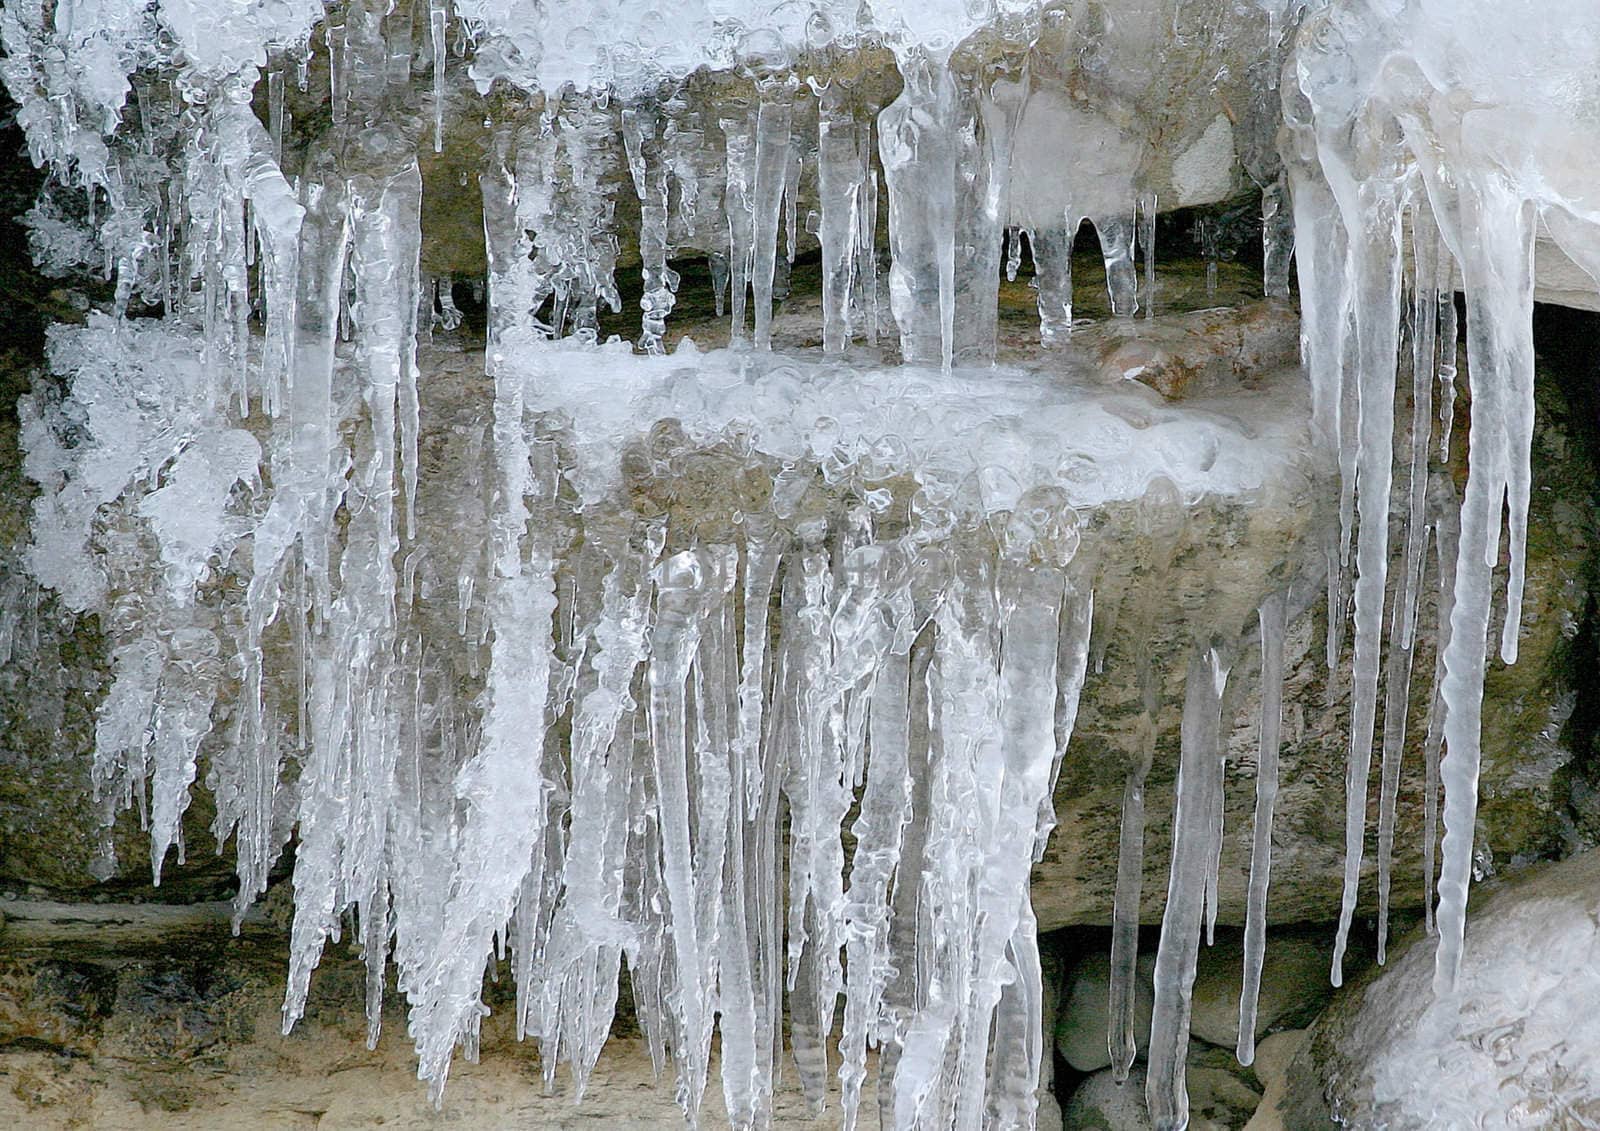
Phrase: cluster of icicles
[593,749]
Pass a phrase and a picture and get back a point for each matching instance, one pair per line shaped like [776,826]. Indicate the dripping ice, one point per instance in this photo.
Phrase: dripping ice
[894,621]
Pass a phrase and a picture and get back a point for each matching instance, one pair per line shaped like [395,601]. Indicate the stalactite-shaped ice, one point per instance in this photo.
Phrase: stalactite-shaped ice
[1371,216]
[642,128]
[773,120]
[1199,785]
[840,174]
[917,143]
[1116,233]
[1052,260]
[1272,618]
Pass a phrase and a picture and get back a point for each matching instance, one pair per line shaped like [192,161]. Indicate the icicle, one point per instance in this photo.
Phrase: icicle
[1498,271]
[1375,274]
[1052,262]
[1398,662]
[642,127]
[1272,615]
[915,138]
[684,586]
[1449,334]
[1199,782]
[742,1044]
[449,316]
[1121,1039]
[1277,237]
[717,266]
[867,241]
[1207,235]
[438,18]
[879,830]
[1447,537]
[814,787]
[739,202]
[338,77]
[771,172]
[1428,251]
[839,170]
[275,114]
[1146,212]
[945,147]
[1007,994]
[1077,620]
[1116,233]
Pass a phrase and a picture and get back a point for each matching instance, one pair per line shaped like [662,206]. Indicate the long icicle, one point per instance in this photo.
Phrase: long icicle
[1374,272]
[1199,780]
[1498,268]
[1272,616]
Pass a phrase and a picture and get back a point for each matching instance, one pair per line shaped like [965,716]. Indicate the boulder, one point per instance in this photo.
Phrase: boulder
[1517,1044]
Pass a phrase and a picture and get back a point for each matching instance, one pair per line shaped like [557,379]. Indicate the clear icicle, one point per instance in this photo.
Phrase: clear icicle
[438,22]
[1199,782]
[642,129]
[839,176]
[1052,260]
[1277,237]
[1272,615]
[1116,233]
[739,201]
[771,172]
[1147,246]
[1121,1039]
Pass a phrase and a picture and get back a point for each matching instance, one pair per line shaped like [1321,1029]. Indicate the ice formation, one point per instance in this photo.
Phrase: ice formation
[527,703]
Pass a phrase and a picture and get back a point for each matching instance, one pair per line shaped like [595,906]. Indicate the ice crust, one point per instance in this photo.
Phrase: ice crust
[559,702]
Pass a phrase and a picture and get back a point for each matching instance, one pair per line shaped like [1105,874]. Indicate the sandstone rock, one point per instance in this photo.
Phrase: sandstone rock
[1274,1055]
[136,1018]
[1517,1046]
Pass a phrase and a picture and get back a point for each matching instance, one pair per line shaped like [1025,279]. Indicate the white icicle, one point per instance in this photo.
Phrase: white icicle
[1498,271]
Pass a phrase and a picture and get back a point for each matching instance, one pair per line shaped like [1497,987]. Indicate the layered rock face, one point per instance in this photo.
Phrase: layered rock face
[919,574]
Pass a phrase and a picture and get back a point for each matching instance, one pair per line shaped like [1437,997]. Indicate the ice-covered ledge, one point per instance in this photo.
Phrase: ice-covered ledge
[1180,517]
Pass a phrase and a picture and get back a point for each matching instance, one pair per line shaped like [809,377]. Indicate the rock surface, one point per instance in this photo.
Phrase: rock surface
[144,1018]
[1274,1057]
[1220,1097]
